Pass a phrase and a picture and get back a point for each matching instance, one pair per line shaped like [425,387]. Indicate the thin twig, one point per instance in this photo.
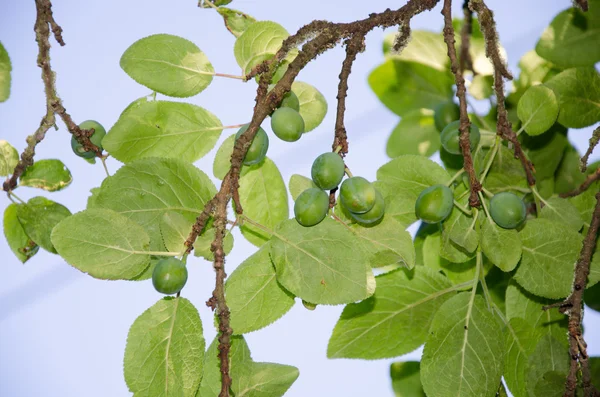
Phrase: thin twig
[583,4]
[584,186]
[593,142]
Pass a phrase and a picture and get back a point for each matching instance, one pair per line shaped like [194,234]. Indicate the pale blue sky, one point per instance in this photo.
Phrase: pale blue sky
[62,334]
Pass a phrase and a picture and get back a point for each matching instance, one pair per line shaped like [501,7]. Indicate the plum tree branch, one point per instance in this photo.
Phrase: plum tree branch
[43,23]
[584,186]
[466,62]
[593,142]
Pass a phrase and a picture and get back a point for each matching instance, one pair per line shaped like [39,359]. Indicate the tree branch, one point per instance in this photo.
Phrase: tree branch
[461,93]
[466,62]
[584,186]
[593,142]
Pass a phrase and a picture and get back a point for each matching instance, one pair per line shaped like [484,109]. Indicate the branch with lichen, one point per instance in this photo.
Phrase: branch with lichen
[466,62]
[589,181]
[593,142]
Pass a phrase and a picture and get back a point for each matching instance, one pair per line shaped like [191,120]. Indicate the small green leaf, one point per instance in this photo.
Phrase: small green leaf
[50,175]
[545,151]
[406,379]
[163,129]
[568,176]
[5,69]
[168,64]
[38,217]
[585,203]
[254,296]
[561,210]
[313,105]
[521,340]
[481,87]
[9,157]
[537,109]
[411,174]
[452,260]
[424,47]
[174,229]
[578,93]
[222,162]
[211,379]
[395,320]
[298,184]
[414,134]
[235,21]
[263,196]
[464,350]
[320,264]
[459,228]
[204,242]
[165,350]
[549,355]
[18,241]
[506,172]
[501,246]
[260,41]
[103,243]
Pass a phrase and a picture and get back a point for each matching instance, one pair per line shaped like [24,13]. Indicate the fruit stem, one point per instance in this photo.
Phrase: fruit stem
[491,159]
[485,209]
[347,171]
[10,193]
[337,149]
[463,209]
[458,173]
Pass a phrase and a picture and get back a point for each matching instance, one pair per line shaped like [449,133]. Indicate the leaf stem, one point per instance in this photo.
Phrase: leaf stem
[230,76]
[486,291]
[491,159]
[458,173]
[347,170]
[485,209]
[11,193]
[244,218]
[463,209]
[159,253]
[103,160]
[233,126]
[538,200]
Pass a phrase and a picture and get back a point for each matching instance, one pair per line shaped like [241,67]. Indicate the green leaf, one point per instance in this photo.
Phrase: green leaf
[264,198]
[254,296]
[395,320]
[18,241]
[406,379]
[545,151]
[568,176]
[410,174]
[9,157]
[521,340]
[501,246]
[549,355]
[103,243]
[414,134]
[38,217]
[481,87]
[453,261]
[204,241]
[217,3]
[561,210]
[585,203]
[222,162]
[424,47]
[5,69]
[235,21]
[464,350]
[551,384]
[398,205]
[259,42]
[298,184]
[459,229]
[578,93]
[572,38]
[50,175]
[549,252]
[175,229]
[146,189]
[168,64]
[211,379]
[404,86]
[163,129]
[537,109]
[506,172]
[534,70]
[320,264]
[313,105]
[165,350]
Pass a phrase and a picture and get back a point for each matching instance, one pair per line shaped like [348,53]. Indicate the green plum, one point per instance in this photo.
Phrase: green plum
[258,148]
[328,170]
[374,214]
[169,276]
[287,124]
[507,210]
[96,139]
[357,195]
[308,305]
[444,114]
[450,137]
[434,204]
[311,207]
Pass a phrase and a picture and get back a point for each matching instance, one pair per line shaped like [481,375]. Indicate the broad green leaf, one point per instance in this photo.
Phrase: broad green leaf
[425,230]
[455,254]
[410,174]
[163,129]
[404,86]
[414,134]
[521,341]
[585,203]
[260,41]
[254,296]
[165,350]
[264,198]
[18,241]
[549,252]
[460,229]
[50,175]
[406,379]
[38,217]
[568,176]
[298,184]
[91,201]
[175,229]
[424,47]
[222,162]
[497,282]
[538,109]
[534,70]
[9,157]
[400,206]
[146,189]
[572,38]
[501,246]
[313,105]
[545,151]
[168,64]
[561,210]
[204,241]
[211,379]
[595,367]
[320,264]
[103,244]
[551,384]
[395,320]
[506,172]
[386,244]
[464,350]
[578,93]
[235,21]
[548,355]
[481,87]
[455,263]
[5,69]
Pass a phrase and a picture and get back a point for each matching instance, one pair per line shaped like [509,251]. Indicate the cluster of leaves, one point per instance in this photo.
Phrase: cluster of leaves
[466,288]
